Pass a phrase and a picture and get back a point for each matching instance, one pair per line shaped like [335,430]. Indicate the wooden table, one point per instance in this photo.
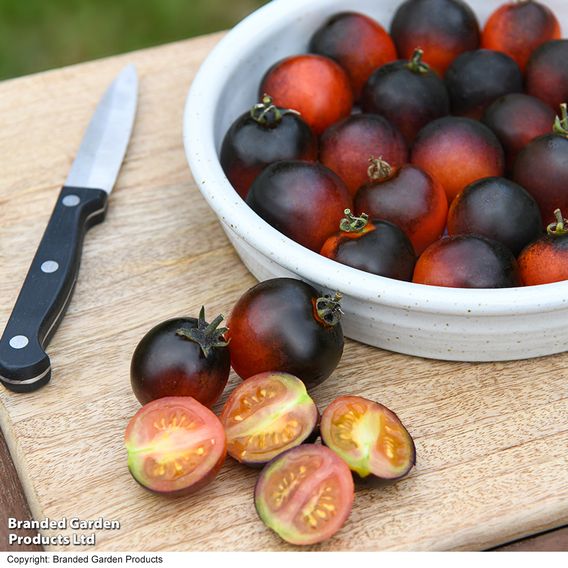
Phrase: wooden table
[492,439]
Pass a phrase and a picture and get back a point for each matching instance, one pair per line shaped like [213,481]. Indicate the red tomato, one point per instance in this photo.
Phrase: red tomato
[545,261]
[408,197]
[467,261]
[316,86]
[357,42]
[175,445]
[518,28]
[305,495]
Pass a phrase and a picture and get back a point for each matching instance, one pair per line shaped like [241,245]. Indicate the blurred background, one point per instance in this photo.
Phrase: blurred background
[41,34]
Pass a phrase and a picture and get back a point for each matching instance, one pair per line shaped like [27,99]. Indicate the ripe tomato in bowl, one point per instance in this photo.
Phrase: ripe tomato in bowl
[428,321]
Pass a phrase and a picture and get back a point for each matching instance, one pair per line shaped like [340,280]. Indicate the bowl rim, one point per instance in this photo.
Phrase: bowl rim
[201,105]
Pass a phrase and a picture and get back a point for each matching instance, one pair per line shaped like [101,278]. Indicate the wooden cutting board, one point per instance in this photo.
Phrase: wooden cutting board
[492,439]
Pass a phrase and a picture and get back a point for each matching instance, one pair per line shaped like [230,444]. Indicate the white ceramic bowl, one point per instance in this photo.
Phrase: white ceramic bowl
[440,323]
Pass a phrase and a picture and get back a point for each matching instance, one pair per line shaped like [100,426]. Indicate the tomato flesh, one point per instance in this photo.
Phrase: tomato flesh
[267,415]
[175,445]
[369,437]
[305,495]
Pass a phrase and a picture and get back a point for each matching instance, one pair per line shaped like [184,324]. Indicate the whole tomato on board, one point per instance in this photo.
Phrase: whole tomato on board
[182,357]
[285,325]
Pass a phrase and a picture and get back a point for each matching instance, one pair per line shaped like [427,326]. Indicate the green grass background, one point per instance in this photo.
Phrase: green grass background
[42,34]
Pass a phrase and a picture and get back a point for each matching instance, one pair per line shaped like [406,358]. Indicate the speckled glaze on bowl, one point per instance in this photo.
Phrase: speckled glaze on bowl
[439,323]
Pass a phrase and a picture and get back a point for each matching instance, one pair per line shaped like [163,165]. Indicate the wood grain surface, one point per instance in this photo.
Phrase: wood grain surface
[491,439]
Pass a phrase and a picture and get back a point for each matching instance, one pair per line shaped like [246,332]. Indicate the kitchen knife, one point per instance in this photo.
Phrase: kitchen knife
[82,203]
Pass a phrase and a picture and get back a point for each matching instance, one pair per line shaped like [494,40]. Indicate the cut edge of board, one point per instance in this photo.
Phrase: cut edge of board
[18,459]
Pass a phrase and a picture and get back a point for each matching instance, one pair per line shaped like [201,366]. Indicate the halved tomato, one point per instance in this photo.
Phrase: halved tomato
[175,445]
[267,415]
[369,437]
[305,495]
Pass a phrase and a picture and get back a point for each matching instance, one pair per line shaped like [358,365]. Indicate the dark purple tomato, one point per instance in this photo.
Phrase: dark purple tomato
[265,135]
[368,437]
[267,415]
[517,120]
[498,209]
[547,73]
[316,86]
[346,147]
[408,197]
[518,28]
[542,169]
[377,247]
[477,78]
[467,261]
[285,325]
[304,201]
[358,43]
[181,357]
[175,446]
[546,260]
[442,28]
[408,93]
[305,495]
[457,151]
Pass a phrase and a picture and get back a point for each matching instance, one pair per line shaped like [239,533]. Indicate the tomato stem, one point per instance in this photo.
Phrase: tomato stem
[207,335]
[379,169]
[416,65]
[352,224]
[329,309]
[560,227]
[266,113]
[561,122]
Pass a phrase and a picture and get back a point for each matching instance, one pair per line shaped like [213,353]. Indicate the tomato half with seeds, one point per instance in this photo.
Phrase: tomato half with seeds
[369,437]
[267,415]
[305,495]
[175,445]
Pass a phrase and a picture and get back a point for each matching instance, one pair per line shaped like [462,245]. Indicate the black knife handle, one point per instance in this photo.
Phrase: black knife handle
[47,289]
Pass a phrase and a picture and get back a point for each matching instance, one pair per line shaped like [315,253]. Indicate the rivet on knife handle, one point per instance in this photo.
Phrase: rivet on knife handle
[47,290]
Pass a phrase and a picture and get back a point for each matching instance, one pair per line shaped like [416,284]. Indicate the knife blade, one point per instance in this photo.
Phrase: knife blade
[81,204]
